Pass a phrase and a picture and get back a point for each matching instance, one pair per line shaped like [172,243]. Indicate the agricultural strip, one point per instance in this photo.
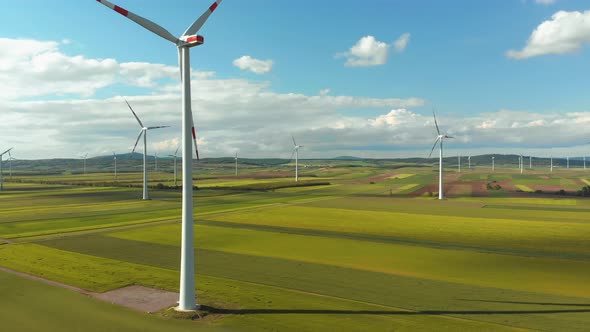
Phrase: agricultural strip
[568,238]
[260,306]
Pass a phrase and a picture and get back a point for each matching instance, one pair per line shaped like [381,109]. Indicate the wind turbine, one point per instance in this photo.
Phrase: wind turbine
[236,163]
[175,168]
[493,163]
[530,162]
[156,159]
[551,164]
[439,139]
[469,161]
[84,157]
[521,164]
[10,159]
[568,161]
[189,38]
[296,153]
[115,159]
[1,157]
[459,163]
[143,131]
[584,162]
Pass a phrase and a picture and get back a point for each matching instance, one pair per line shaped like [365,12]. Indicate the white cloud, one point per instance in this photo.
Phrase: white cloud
[368,51]
[167,145]
[256,66]
[545,2]
[240,114]
[325,92]
[393,118]
[566,32]
[402,42]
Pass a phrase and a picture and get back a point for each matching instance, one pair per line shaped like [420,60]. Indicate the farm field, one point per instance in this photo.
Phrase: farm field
[367,249]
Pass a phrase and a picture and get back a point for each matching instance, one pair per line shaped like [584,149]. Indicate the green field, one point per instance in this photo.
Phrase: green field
[362,253]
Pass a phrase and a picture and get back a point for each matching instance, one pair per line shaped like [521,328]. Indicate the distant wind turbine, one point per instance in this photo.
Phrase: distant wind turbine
[175,168]
[439,139]
[156,160]
[493,163]
[1,157]
[10,159]
[115,160]
[143,132]
[469,161]
[521,164]
[568,162]
[459,163]
[584,162]
[84,157]
[296,153]
[530,162]
[236,160]
[551,164]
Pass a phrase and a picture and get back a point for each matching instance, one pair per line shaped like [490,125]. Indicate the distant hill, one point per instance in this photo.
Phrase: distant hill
[347,158]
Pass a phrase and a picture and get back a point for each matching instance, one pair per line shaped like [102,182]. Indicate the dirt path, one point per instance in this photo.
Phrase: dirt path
[136,297]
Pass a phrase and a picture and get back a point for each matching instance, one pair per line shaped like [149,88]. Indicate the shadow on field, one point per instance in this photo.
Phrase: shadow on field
[533,303]
[385,312]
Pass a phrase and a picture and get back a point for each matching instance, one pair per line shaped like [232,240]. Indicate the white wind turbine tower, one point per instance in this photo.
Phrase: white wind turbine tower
[493,163]
[531,162]
[551,164]
[156,160]
[469,161]
[584,162]
[1,157]
[115,160]
[568,161]
[84,157]
[521,164]
[188,39]
[143,131]
[459,163]
[10,159]
[296,153]
[236,160]
[175,168]
[439,139]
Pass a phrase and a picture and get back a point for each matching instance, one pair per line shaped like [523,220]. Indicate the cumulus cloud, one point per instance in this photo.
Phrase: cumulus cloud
[368,51]
[256,66]
[239,114]
[402,42]
[167,145]
[566,32]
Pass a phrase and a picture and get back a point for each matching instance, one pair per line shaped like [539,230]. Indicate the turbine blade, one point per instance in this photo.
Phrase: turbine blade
[137,141]
[196,26]
[157,127]
[435,123]
[149,25]
[293,140]
[176,152]
[194,133]
[6,151]
[449,137]
[135,115]
[292,154]
[434,146]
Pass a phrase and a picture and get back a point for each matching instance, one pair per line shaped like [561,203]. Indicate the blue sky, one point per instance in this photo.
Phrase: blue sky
[456,58]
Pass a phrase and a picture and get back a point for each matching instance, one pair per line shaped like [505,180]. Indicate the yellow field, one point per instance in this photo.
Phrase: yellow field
[401,176]
[524,188]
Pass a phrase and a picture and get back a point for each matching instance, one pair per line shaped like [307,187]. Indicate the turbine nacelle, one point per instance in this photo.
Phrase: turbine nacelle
[190,41]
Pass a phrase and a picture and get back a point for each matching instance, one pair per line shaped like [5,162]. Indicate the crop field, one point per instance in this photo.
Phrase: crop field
[365,248]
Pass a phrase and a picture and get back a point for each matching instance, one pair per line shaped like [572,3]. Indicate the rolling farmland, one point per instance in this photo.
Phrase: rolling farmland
[365,248]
